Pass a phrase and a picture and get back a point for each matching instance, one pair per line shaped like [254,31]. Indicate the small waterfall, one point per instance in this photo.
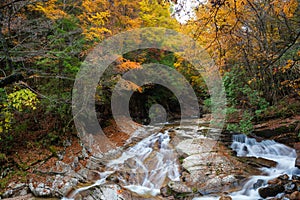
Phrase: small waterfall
[102,180]
[143,167]
[268,149]
[148,163]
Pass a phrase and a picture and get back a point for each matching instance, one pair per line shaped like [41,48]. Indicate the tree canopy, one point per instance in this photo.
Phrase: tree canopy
[255,45]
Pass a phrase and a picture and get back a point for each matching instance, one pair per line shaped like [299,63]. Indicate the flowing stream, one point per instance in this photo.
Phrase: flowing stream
[148,163]
[145,166]
[268,149]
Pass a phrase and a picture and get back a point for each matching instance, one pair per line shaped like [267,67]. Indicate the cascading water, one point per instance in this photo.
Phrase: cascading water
[148,163]
[268,149]
[143,167]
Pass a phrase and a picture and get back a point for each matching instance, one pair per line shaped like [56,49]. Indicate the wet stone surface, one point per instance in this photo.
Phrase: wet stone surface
[204,166]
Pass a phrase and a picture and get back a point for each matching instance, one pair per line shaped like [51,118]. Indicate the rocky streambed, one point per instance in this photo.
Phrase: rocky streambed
[178,162]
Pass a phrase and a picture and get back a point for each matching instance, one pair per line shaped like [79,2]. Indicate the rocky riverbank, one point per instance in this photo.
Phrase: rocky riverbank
[283,186]
[204,170]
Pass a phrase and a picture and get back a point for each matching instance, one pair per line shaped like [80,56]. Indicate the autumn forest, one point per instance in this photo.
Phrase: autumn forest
[255,44]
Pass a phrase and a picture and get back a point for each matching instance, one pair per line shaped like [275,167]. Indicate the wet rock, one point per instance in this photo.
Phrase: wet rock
[271,190]
[282,180]
[7,194]
[83,174]
[209,165]
[62,185]
[295,177]
[258,162]
[225,198]
[295,195]
[93,175]
[297,146]
[289,187]
[41,190]
[226,137]
[15,189]
[298,186]
[284,185]
[195,146]
[280,130]
[230,179]
[288,139]
[216,184]
[179,187]
[274,181]
[199,164]
[284,177]
[105,192]
[259,183]
[113,178]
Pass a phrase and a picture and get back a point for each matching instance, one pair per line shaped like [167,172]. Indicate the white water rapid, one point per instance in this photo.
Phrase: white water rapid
[148,163]
[144,165]
[268,149]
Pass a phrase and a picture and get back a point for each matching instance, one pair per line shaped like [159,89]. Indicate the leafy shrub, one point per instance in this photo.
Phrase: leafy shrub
[244,125]
[18,101]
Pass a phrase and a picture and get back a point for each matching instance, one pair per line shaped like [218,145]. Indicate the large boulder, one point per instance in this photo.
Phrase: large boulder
[271,190]
[195,146]
[290,188]
[209,166]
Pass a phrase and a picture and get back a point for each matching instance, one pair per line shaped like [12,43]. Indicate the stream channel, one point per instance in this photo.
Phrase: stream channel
[152,158]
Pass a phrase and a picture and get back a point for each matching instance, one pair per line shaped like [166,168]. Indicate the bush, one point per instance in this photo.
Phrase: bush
[244,125]
[20,100]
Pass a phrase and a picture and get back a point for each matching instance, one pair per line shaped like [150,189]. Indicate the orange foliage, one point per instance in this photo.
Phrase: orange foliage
[124,65]
[52,9]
